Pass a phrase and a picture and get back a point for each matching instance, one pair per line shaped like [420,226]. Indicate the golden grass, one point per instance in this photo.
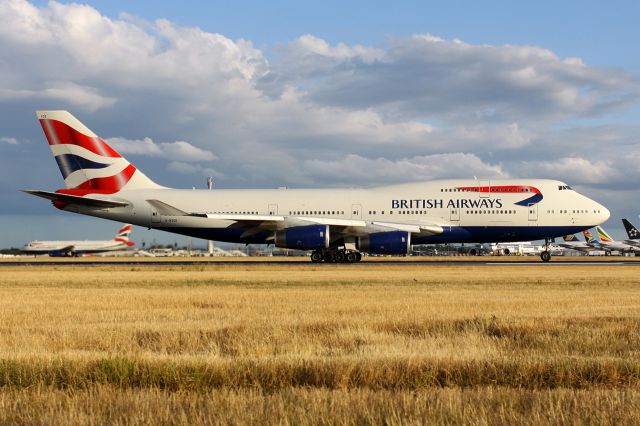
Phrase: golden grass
[486,405]
[328,343]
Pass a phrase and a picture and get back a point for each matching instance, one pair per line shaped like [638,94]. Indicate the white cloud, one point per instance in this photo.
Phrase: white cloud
[9,141]
[192,169]
[574,169]
[179,150]
[367,171]
[88,98]
[453,80]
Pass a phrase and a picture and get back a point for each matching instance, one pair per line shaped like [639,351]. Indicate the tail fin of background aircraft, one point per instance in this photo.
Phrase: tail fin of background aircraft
[604,237]
[123,235]
[588,236]
[570,237]
[87,163]
[632,231]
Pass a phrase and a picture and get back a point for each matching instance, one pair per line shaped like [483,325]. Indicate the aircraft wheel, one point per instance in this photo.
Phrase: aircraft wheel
[545,256]
[358,256]
[339,257]
[316,257]
[351,257]
[328,257]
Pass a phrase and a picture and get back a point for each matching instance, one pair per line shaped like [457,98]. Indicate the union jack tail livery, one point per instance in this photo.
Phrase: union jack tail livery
[87,163]
[123,235]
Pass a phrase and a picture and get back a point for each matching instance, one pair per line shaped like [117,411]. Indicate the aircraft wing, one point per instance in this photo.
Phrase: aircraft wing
[633,243]
[342,226]
[577,247]
[257,223]
[65,250]
[74,199]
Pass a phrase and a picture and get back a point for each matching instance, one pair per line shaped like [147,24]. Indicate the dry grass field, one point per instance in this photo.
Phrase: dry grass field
[326,344]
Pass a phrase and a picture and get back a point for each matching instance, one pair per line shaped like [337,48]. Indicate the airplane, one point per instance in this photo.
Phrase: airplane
[609,244]
[632,232]
[334,224]
[77,248]
[571,242]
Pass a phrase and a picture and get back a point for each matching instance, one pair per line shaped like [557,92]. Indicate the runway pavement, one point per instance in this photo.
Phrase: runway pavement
[299,262]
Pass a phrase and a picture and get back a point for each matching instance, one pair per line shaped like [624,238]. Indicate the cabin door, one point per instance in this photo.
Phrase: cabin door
[454,214]
[155,215]
[273,209]
[533,214]
[485,188]
[356,211]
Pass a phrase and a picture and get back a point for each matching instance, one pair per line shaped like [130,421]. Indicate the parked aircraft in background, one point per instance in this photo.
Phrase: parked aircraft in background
[571,242]
[632,232]
[335,224]
[77,248]
[608,243]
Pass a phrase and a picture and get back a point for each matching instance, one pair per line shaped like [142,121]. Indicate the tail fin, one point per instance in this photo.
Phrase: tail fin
[87,163]
[632,231]
[123,235]
[570,237]
[588,236]
[604,237]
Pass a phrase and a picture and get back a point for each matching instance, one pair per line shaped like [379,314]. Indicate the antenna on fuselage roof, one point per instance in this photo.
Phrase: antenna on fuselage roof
[210,242]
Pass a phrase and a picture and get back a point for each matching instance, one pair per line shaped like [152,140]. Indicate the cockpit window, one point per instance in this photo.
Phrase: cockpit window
[564,187]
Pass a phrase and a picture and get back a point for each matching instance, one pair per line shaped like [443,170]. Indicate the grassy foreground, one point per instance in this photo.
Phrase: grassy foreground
[327,344]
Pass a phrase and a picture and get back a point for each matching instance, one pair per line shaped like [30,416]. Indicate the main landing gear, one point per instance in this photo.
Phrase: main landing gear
[546,254]
[332,255]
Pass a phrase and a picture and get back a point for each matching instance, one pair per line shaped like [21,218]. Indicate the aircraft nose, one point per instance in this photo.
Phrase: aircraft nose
[604,213]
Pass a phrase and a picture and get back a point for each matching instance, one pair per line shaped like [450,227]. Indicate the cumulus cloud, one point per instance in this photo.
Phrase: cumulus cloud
[178,150]
[428,76]
[9,141]
[192,169]
[364,170]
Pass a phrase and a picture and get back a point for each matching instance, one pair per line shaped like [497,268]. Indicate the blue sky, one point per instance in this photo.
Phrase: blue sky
[553,91]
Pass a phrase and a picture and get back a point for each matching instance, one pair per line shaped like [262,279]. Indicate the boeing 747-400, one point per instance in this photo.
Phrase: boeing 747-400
[334,224]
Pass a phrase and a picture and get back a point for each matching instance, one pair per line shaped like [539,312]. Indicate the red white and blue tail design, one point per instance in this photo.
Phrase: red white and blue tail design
[87,163]
[123,235]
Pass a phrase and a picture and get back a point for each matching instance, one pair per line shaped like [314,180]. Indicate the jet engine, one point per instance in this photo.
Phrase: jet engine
[394,242]
[310,237]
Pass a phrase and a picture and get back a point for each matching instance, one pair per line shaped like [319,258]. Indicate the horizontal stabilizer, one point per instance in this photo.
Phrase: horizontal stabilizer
[74,199]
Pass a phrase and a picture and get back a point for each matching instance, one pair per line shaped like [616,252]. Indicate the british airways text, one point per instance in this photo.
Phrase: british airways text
[418,203]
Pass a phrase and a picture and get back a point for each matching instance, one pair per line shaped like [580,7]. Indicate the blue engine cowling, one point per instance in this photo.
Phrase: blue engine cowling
[310,237]
[394,242]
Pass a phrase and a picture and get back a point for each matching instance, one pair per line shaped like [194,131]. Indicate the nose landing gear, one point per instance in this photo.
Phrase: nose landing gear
[546,253]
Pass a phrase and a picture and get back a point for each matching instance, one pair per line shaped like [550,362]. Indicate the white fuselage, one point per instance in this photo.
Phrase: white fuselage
[73,247]
[465,214]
